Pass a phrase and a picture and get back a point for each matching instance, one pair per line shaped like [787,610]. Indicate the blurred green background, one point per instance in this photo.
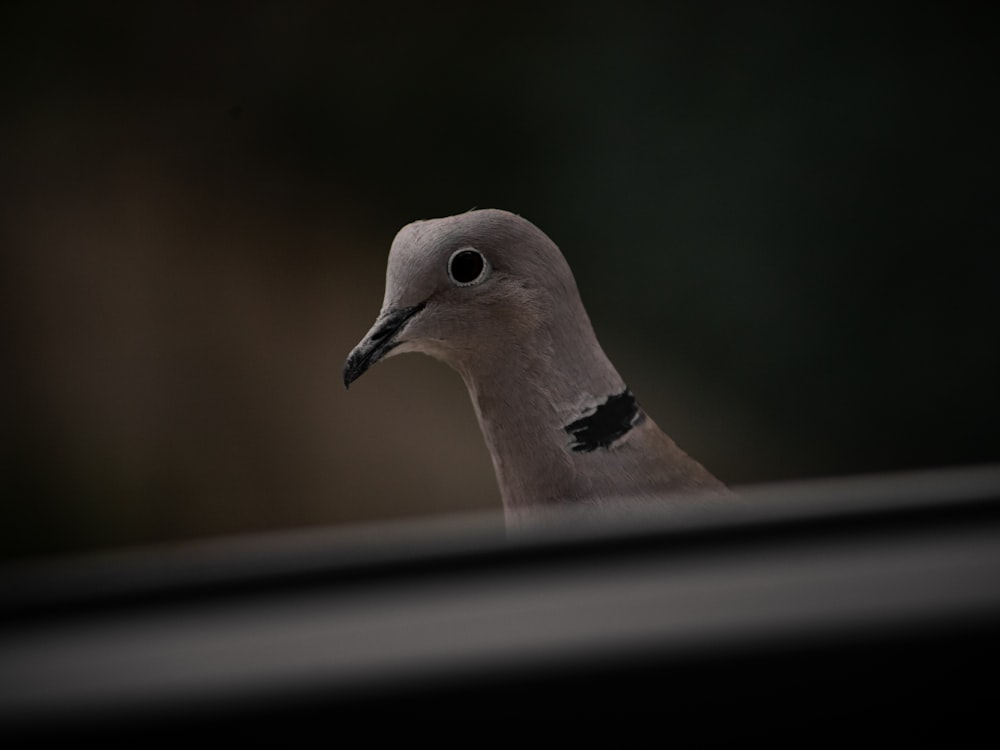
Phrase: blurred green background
[782,219]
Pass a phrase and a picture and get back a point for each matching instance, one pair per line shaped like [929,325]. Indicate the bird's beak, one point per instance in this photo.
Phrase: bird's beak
[378,341]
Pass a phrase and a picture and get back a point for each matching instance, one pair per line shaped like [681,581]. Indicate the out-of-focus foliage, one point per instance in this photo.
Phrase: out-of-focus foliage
[781,217]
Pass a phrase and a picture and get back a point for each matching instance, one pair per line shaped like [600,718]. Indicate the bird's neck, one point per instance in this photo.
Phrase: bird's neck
[539,405]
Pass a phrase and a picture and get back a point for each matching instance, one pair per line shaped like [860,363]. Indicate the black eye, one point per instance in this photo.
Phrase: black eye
[467,267]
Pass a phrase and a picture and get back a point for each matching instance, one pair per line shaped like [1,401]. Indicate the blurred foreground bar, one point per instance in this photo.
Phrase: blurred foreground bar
[824,608]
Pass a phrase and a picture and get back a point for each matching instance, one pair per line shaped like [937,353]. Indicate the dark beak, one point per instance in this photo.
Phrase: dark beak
[377,342]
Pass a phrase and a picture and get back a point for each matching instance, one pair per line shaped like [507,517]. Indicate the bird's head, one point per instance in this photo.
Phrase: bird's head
[471,290]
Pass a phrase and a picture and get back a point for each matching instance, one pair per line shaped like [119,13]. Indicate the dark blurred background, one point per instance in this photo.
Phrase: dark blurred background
[782,218]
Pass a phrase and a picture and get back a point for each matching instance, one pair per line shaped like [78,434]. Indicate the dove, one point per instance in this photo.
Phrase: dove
[488,293]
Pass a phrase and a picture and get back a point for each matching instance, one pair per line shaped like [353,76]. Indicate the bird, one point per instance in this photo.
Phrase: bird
[490,294]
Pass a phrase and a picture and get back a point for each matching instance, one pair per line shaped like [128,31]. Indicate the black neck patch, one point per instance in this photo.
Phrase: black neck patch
[610,421]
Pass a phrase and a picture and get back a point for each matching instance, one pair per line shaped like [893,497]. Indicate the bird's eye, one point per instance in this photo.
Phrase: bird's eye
[467,267]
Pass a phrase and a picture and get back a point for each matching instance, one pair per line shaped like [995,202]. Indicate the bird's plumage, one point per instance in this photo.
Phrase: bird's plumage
[560,424]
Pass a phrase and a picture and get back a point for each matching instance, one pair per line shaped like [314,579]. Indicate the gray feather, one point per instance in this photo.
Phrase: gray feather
[560,424]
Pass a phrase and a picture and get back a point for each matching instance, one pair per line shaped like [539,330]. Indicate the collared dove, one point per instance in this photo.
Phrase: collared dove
[491,295]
